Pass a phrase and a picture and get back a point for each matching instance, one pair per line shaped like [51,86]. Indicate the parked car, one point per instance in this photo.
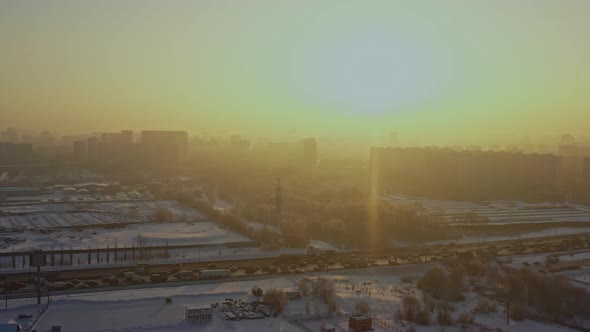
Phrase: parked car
[186,275]
[91,283]
[108,278]
[156,277]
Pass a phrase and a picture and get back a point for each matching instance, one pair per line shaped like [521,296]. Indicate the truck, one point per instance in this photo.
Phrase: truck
[127,275]
[186,275]
[211,274]
[142,269]
[133,277]
[158,277]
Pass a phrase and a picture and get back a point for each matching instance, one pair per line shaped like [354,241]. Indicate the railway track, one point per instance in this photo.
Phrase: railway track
[97,273]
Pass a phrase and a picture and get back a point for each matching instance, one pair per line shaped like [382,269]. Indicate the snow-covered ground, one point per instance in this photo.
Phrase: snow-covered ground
[498,212]
[152,234]
[35,213]
[146,310]
[515,235]
[64,220]
[79,225]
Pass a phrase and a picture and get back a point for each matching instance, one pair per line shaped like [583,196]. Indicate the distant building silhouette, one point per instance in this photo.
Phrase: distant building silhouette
[442,172]
[310,152]
[239,144]
[574,166]
[160,147]
[80,150]
[16,153]
[92,148]
[568,139]
[10,135]
[586,175]
[124,137]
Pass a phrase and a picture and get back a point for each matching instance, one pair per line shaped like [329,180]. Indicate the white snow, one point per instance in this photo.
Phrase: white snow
[145,309]
[498,212]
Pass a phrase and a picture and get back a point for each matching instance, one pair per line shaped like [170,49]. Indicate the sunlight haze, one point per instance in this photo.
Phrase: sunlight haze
[426,69]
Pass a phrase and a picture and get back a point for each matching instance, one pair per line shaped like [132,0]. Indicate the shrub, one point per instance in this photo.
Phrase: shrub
[410,308]
[475,269]
[422,317]
[517,312]
[443,316]
[442,285]
[276,299]
[163,215]
[407,280]
[465,318]
[484,305]
[363,307]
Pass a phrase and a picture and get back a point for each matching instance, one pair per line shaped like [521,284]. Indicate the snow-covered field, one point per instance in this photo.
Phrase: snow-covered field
[127,209]
[152,234]
[80,225]
[514,235]
[499,212]
[63,220]
[146,310]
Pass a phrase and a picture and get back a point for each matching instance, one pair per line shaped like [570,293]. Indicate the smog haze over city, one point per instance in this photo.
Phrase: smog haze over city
[461,72]
[263,165]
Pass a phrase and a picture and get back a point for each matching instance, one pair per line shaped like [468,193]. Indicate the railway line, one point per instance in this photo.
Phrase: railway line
[337,262]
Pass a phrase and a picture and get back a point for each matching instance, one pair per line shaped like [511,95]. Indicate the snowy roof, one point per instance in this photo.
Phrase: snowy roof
[198,307]
[321,245]
[91,184]
[9,189]
[9,327]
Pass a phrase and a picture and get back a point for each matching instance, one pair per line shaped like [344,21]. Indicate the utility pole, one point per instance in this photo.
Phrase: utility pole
[38,259]
[507,313]
[278,204]
[506,303]
[279,210]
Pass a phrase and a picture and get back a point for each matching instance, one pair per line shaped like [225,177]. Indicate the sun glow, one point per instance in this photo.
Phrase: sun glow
[372,71]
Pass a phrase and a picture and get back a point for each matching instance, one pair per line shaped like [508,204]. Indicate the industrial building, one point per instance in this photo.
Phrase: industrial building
[360,323]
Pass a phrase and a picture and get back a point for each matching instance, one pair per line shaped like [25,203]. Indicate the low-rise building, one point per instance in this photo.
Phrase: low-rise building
[328,328]
[199,313]
[360,323]
[10,327]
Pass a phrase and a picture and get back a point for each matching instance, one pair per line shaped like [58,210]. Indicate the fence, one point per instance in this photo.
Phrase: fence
[386,324]
[301,319]
[14,295]
[40,313]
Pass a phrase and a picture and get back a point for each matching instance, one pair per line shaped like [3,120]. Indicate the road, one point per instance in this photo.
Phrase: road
[380,258]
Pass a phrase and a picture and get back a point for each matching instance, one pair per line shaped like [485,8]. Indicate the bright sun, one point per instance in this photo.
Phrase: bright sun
[368,72]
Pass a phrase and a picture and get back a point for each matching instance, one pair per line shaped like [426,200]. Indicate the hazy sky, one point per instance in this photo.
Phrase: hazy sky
[429,70]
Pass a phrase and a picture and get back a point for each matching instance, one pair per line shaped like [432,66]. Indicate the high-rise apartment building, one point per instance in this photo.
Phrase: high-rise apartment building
[310,152]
